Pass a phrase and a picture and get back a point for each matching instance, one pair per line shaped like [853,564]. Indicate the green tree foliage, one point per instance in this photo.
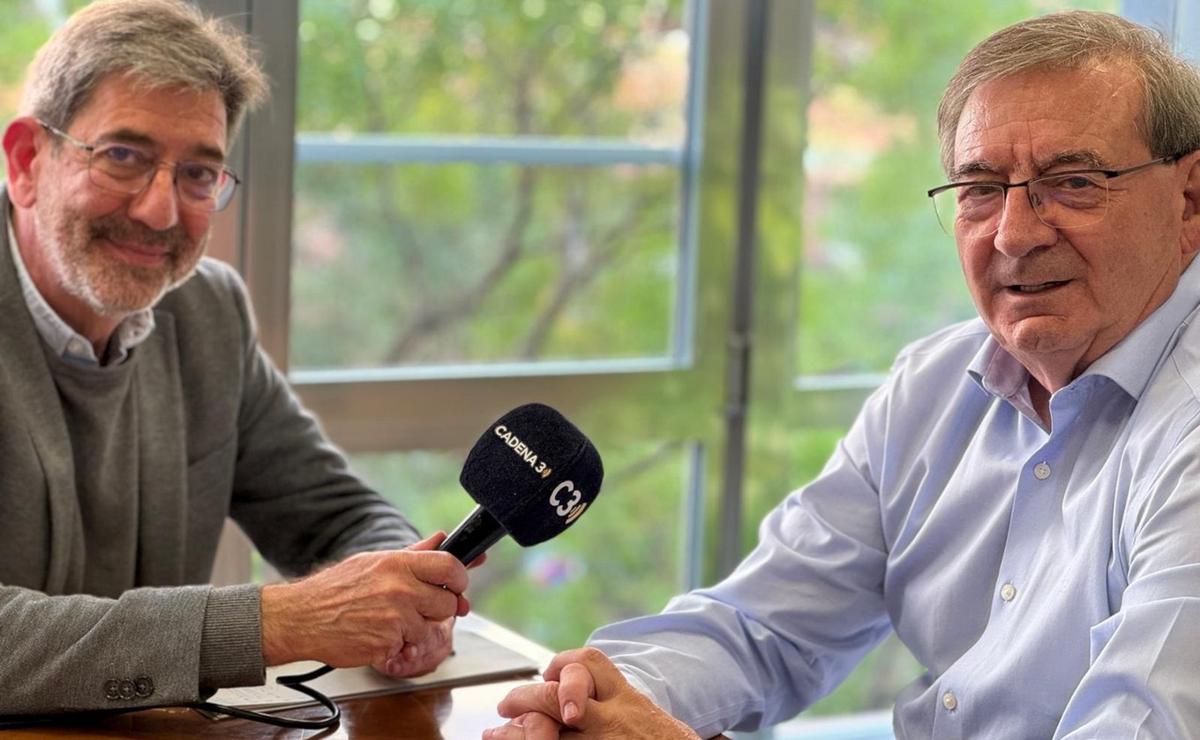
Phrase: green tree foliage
[485,262]
[24,26]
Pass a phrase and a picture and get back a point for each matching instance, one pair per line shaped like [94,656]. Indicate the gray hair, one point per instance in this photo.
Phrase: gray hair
[158,43]
[1170,120]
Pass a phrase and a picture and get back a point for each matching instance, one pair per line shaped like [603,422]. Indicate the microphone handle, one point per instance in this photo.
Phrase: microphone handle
[473,536]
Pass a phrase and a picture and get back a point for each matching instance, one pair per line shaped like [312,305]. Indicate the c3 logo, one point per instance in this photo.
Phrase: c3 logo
[571,508]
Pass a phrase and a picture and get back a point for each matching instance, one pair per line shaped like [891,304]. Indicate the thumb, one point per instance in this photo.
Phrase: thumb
[429,543]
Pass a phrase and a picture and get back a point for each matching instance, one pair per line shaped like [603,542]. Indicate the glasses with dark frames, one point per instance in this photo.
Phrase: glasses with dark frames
[1062,200]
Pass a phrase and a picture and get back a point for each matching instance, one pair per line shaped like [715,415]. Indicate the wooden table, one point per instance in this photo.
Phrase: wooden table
[461,713]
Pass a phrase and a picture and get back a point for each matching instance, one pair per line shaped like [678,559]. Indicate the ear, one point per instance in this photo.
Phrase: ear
[1190,235]
[23,140]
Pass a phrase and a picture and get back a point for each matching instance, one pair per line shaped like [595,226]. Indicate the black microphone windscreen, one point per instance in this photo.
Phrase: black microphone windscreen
[534,471]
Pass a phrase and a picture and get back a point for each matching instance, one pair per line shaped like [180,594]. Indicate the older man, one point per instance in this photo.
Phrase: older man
[1020,501]
[137,410]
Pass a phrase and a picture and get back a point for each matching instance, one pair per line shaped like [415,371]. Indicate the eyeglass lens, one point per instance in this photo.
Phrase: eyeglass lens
[1069,201]
[122,169]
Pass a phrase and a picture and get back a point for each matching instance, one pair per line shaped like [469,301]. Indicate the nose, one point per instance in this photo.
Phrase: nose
[157,206]
[1021,230]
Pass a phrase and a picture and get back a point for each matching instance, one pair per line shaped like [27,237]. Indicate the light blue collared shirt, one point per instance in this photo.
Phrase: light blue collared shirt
[64,341]
[1048,581]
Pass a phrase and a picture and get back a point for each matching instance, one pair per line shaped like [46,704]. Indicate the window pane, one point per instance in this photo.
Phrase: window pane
[878,271]
[623,558]
[488,182]
[24,26]
[550,67]
[436,264]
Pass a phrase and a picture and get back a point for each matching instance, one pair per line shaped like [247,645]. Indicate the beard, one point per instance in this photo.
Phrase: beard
[108,285]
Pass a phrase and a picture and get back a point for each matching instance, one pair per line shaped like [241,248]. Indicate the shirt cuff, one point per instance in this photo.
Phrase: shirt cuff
[231,641]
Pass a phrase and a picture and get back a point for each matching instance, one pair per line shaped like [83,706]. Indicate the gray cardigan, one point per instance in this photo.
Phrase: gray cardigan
[220,434]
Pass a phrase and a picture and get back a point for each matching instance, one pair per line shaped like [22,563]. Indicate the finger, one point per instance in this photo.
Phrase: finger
[606,679]
[477,561]
[429,543]
[412,664]
[575,688]
[533,697]
[413,632]
[577,655]
[420,658]
[436,604]
[419,646]
[540,727]
[532,726]
[507,731]
[404,663]
[400,657]
[444,631]
[438,569]
[464,607]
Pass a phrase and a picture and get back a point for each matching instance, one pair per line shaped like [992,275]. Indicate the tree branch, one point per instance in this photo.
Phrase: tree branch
[465,303]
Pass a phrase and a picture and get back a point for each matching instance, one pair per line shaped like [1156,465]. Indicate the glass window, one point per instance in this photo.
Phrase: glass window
[492,182]
[468,263]
[24,26]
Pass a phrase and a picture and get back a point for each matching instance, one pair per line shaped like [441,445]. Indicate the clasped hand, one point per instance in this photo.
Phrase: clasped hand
[584,696]
[392,610]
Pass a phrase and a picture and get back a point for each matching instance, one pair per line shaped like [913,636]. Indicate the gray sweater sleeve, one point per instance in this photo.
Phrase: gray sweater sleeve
[231,638]
[154,666]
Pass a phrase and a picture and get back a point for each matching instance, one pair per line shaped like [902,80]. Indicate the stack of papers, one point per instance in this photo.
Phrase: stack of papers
[476,659]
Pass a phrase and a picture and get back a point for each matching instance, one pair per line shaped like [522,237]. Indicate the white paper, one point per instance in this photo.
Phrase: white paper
[476,659]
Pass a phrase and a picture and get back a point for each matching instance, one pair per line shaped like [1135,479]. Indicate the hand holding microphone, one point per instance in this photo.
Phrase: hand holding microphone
[363,610]
[532,474]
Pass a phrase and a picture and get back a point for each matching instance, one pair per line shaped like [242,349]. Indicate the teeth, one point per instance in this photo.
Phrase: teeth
[1035,288]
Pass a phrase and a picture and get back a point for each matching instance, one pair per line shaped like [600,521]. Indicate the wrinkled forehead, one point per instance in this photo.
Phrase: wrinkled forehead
[126,95]
[168,116]
[1023,123]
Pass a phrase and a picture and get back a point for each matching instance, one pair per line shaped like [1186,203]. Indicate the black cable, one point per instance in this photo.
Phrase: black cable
[296,683]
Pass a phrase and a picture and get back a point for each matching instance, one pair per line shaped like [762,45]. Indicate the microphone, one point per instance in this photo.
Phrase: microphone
[532,474]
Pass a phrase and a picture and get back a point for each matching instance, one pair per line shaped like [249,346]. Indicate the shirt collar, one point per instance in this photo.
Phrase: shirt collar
[998,373]
[64,341]
[1130,364]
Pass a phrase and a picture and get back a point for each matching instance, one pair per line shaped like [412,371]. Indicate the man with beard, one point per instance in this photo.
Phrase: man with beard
[137,409]
[1020,501]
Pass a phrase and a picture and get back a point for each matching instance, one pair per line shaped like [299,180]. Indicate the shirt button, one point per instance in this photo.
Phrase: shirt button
[1008,592]
[949,701]
[1041,471]
[75,347]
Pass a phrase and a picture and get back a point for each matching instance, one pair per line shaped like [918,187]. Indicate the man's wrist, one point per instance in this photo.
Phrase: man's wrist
[276,647]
